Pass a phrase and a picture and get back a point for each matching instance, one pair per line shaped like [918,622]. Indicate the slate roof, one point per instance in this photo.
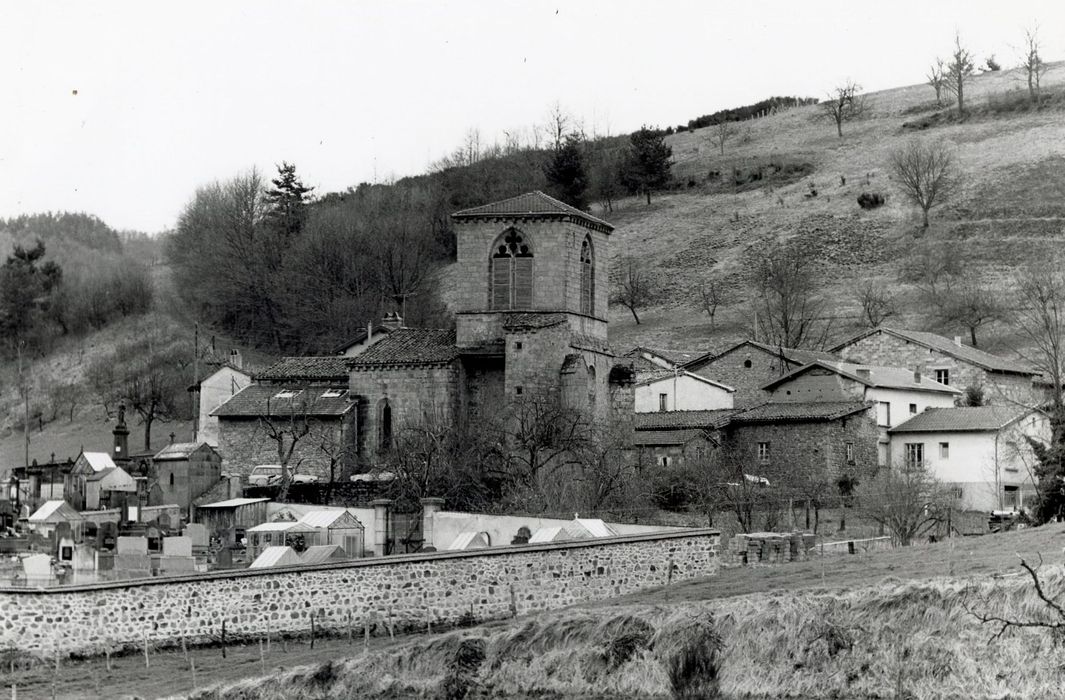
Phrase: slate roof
[177,450]
[314,368]
[360,337]
[524,319]
[960,420]
[798,412]
[871,376]
[263,400]
[533,205]
[792,355]
[966,353]
[409,346]
[673,420]
[652,438]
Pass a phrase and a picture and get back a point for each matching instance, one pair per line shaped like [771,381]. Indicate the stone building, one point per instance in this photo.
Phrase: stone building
[184,471]
[947,361]
[225,381]
[531,326]
[748,366]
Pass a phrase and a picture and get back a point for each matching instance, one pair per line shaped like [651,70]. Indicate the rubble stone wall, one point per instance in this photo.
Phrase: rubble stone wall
[406,592]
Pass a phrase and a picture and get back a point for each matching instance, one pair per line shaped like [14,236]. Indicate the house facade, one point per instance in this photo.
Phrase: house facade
[983,453]
[748,366]
[182,472]
[679,390]
[215,389]
[950,362]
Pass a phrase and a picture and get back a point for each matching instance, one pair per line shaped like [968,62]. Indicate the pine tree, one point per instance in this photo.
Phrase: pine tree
[565,172]
[287,200]
[648,161]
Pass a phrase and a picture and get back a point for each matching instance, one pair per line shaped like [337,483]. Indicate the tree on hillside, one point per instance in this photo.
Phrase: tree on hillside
[633,289]
[565,172]
[27,284]
[788,307]
[905,499]
[559,125]
[959,71]
[926,173]
[287,201]
[844,103]
[721,133]
[710,294]
[937,78]
[969,302]
[877,303]
[1033,65]
[606,177]
[647,163]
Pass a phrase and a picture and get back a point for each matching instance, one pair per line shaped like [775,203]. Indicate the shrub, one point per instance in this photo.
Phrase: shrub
[694,669]
[870,200]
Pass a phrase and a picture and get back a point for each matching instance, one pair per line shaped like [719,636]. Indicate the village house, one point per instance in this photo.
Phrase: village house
[677,438]
[226,380]
[182,472]
[947,361]
[93,481]
[748,365]
[896,393]
[983,453]
[679,390]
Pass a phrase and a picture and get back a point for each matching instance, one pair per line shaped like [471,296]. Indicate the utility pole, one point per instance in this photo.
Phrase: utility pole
[25,403]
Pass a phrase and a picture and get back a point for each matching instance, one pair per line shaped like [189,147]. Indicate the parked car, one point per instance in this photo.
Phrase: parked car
[270,474]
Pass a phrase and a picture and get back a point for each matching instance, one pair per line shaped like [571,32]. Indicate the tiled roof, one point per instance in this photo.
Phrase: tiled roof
[669,374]
[869,375]
[653,438]
[360,337]
[649,371]
[524,319]
[263,400]
[409,346]
[792,355]
[966,353]
[784,412]
[177,450]
[532,204]
[666,420]
[949,420]
[313,368]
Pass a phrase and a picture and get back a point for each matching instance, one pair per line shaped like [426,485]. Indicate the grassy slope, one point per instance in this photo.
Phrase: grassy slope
[1012,196]
[877,622]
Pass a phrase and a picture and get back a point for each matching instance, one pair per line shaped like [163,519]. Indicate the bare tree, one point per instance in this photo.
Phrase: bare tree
[542,438]
[789,309]
[721,133]
[709,298]
[905,499]
[633,289]
[968,302]
[959,70]
[1053,618]
[877,302]
[286,431]
[926,173]
[844,103]
[559,124]
[1033,65]
[937,79]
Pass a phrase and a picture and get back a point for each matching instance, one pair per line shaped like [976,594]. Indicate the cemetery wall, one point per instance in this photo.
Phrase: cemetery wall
[402,592]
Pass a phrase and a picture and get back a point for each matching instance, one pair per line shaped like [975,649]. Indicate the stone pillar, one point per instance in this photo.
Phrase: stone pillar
[381,509]
[429,508]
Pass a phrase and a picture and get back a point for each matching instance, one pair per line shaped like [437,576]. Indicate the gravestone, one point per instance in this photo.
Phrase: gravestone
[132,545]
[84,557]
[163,522]
[107,537]
[177,546]
[37,568]
[198,534]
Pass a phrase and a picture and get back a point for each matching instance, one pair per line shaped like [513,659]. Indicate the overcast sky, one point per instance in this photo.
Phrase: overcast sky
[122,110]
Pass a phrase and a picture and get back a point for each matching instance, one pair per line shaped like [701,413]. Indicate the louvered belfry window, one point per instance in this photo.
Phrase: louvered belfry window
[512,273]
[587,279]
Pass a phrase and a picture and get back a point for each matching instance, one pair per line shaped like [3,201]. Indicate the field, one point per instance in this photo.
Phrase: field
[791,630]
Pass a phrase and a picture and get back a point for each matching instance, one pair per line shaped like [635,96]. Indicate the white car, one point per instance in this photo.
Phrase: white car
[270,474]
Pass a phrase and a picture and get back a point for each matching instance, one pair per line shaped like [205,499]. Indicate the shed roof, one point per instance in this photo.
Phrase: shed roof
[321,553]
[966,353]
[409,346]
[330,518]
[313,368]
[469,539]
[234,503]
[273,400]
[595,527]
[283,526]
[55,512]
[276,556]
[98,460]
[786,412]
[961,419]
[533,205]
[550,534]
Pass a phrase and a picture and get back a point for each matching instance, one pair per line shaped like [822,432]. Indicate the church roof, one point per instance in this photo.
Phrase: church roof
[533,205]
[322,368]
[277,401]
[409,346]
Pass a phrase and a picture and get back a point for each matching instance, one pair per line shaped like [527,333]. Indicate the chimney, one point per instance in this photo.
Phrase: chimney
[172,436]
[957,340]
[917,376]
[369,331]
[392,321]
[121,435]
[235,358]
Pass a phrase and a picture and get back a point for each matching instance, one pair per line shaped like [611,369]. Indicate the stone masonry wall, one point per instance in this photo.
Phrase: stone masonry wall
[729,369]
[243,444]
[407,590]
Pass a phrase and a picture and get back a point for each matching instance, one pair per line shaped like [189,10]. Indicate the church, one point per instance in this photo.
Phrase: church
[530,325]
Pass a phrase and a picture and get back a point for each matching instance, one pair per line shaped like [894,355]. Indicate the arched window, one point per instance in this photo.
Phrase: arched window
[591,387]
[512,272]
[384,425]
[587,278]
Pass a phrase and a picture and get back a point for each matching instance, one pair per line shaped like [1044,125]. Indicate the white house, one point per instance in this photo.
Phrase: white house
[982,452]
[897,392]
[679,390]
[213,391]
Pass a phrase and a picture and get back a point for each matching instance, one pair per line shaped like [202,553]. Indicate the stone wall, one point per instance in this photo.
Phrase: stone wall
[730,369]
[244,444]
[406,590]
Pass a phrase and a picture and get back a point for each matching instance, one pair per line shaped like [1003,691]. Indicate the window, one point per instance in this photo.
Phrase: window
[944,450]
[384,425]
[943,376]
[511,280]
[287,394]
[1010,498]
[333,393]
[914,454]
[587,278]
[665,461]
[517,390]
[663,402]
[763,453]
[591,387]
[848,449]
[517,345]
[884,414]
[747,364]
[171,478]
[268,538]
[913,409]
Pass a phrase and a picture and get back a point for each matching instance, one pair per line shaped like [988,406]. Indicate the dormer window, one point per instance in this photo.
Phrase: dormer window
[511,272]
[287,394]
[333,393]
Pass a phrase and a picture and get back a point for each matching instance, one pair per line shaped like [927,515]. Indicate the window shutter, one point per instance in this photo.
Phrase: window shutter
[523,283]
[501,283]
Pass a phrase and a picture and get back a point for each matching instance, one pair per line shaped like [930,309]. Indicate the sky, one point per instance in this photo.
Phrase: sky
[123,109]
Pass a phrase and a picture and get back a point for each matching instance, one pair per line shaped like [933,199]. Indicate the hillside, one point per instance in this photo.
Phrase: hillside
[1012,200]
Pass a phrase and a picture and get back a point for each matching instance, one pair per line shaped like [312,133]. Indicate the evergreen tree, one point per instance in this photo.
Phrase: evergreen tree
[287,201]
[648,162]
[25,290]
[565,172]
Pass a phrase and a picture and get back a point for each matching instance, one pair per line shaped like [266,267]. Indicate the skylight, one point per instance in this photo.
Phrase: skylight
[333,393]
[287,394]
